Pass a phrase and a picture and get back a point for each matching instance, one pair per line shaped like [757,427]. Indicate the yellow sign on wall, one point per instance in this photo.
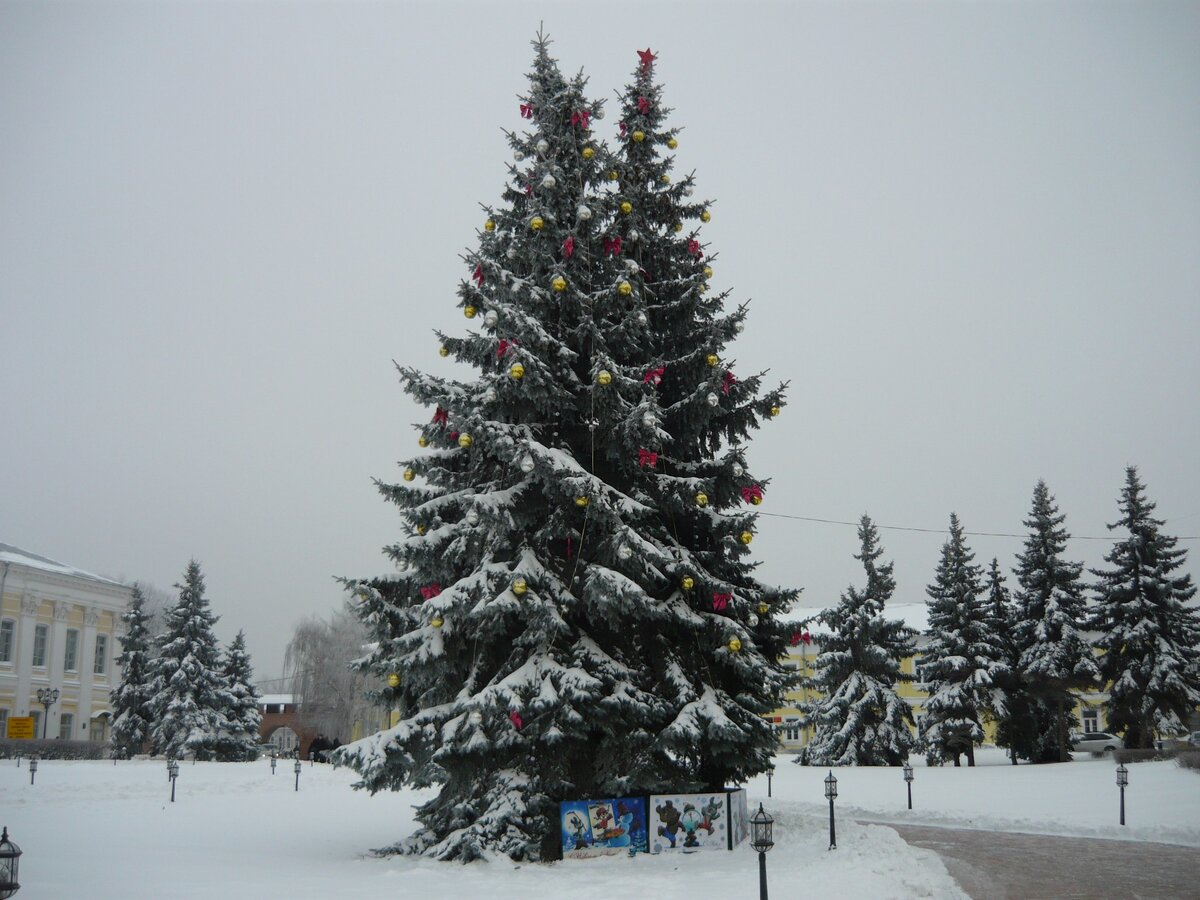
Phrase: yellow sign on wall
[20,728]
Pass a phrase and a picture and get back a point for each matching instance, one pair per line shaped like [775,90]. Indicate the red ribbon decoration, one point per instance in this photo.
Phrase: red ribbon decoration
[647,458]
[526,110]
[440,416]
[570,548]
[749,493]
[613,246]
[654,376]
[505,346]
[720,601]
[515,718]
[528,189]
[454,435]
[694,249]
[581,118]
[431,590]
[568,247]
[478,274]
[643,105]
[730,381]
[798,636]
[648,59]
[623,128]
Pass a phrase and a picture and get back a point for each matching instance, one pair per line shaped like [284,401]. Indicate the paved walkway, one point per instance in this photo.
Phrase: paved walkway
[992,865]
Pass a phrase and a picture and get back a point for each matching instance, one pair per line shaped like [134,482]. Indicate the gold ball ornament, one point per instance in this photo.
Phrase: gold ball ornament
[702,499]
[708,273]
[706,216]
[422,441]
[678,226]
[581,501]
[519,587]
[559,284]
[626,207]
[393,680]
[687,582]
[666,179]
[409,474]
[612,175]
[672,143]
[516,371]
[589,152]
[755,500]
[443,351]
[712,359]
[775,410]
[465,441]
[763,609]
[537,223]
[469,312]
[703,288]
[489,225]
[437,621]
[639,136]
[624,288]
[735,645]
[747,537]
[604,377]
[421,529]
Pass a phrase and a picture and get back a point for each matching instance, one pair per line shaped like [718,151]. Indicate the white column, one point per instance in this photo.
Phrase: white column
[58,642]
[87,662]
[29,608]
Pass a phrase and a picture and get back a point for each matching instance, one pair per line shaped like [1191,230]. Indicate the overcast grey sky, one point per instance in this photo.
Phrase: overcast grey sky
[970,232]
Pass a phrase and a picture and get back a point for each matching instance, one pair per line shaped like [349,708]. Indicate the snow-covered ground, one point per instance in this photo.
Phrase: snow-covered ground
[236,831]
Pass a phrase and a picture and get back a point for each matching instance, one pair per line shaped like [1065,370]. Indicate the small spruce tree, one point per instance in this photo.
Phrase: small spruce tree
[192,697]
[859,719]
[1149,632]
[964,656]
[1050,614]
[131,699]
[239,740]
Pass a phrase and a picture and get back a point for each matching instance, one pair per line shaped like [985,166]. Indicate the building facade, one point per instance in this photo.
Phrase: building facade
[58,629]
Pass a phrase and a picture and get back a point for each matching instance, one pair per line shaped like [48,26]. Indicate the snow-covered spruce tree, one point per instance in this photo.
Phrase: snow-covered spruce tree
[574,613]
[1149,634]
[132,716]
[1049,614]
[239,740]
[964,656]
[1016,727]
[859,718]
[192,697]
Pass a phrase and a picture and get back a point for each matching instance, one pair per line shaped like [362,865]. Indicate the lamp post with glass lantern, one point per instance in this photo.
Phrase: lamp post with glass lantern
[297,771]
[33,761]
[273,756]
[10,855]
[908,777]
[172,773]
[1122,780]
[831,794]
[47,697]
[760,841]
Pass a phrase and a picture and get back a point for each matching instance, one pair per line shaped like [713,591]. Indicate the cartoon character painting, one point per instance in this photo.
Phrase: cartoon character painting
[603,827]
[710,812]
[690,821]
[669,816]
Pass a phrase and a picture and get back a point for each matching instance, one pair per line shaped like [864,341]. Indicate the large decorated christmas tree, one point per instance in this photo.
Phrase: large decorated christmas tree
[573,612]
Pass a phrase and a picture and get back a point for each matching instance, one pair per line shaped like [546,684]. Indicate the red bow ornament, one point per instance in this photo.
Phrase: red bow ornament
[647,458]
[654,376]
[721,601]
[478,274]
[515,718]
[694,248]
[568,247]
[431,590]
[612,246]
[730,381]
[643,105]
[453,435]
[526,110]
[581,118]
[798,636]
[622,127]
[749,493]
[505,346]
[440,416]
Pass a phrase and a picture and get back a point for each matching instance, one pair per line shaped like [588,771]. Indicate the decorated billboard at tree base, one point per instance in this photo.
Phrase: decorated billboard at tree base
[603,827]
[689,822]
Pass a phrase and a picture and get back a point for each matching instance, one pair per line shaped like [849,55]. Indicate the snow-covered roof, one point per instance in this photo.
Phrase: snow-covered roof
[18,557]
[275,699]
[914,615]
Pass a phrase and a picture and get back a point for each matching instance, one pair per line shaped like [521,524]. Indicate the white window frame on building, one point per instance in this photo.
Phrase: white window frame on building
[66,727]
[41,642]
[1090,721]
[71,651]
[3,723]
[36,715]
[100,665]
[8,639]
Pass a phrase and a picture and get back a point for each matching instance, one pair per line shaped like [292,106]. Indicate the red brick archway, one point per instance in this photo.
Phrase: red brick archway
[280,715]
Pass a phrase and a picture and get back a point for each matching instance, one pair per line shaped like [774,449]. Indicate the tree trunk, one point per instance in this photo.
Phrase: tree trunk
[970,756]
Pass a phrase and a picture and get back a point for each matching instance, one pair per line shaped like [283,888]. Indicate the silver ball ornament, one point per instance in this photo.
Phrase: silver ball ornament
[490,318]
[633,235]
[548,182]
[542,146]
[583,212]
[649,419]
[624,552]
[712,399]
[737,470]
[472,517]
[527,464]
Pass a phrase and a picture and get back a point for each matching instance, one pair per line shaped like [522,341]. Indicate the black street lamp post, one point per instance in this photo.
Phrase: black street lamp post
[47,697]
[770,773]
[831,793]
[10,855]
[1122,780]
[272,762]
[297,771]
[33,761]
[908,777]
[172,773]
[760,825]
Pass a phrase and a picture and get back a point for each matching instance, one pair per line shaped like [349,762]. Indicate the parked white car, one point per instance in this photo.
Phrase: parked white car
[1096,742]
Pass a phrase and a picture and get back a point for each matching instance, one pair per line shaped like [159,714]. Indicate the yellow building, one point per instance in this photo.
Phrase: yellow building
[793,736]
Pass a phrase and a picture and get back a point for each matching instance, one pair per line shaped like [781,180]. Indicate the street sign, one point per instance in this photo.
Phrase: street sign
[20,728]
